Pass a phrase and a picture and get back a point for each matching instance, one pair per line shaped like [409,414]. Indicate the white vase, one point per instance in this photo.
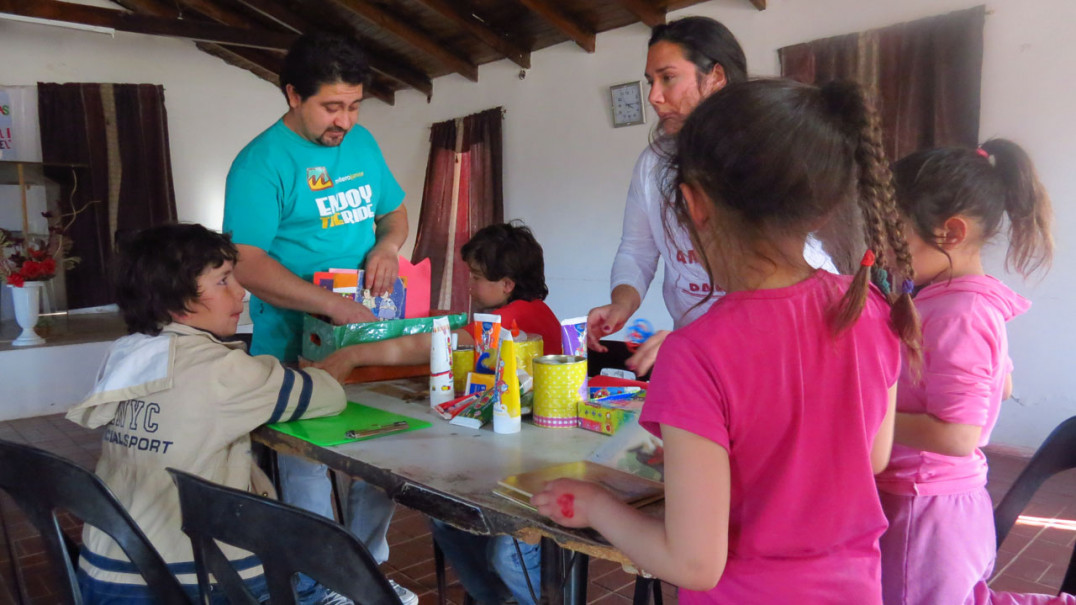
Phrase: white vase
[27,301]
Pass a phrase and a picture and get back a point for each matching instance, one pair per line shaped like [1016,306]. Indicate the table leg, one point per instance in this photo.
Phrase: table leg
[575,589]
[564,575]
[552,573]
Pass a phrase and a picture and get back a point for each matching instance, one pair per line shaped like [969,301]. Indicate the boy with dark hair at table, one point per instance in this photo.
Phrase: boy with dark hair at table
[175,392]
[507,278]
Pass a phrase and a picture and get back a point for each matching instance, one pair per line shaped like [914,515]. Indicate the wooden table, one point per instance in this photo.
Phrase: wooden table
[448,472]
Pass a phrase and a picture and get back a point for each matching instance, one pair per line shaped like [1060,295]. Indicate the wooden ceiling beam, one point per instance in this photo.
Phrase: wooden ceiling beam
[268,66]
[584,38]
[146,24]
[412,36]
[404,74]
[646,12]
[480,30]
[759,4]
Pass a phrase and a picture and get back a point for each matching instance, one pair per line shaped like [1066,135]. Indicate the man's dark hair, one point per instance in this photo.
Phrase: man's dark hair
[320,58]
[157,269]
[509,250]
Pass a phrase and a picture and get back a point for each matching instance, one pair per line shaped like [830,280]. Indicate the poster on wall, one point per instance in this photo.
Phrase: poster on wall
[7,126]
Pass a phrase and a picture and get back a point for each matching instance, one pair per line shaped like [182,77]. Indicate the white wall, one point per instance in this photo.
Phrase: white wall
[567,169]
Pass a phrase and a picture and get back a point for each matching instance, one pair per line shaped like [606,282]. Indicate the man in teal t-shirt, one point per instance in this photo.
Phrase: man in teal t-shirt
[312,193]
[305,196]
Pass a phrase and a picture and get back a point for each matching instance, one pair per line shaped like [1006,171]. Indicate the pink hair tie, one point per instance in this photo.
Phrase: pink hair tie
[868,259]
[982,152]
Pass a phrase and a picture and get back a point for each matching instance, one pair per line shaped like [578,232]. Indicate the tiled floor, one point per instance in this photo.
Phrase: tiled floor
[1033,559]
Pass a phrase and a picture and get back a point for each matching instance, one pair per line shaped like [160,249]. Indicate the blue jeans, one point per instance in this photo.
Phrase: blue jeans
[367,513]
[489,567]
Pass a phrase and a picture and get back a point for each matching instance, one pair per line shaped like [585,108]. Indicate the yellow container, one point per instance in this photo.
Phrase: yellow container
[559,381]
[527,350]
[462,363]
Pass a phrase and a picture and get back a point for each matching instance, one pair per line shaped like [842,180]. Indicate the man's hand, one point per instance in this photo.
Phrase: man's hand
[347,311]
[382,268]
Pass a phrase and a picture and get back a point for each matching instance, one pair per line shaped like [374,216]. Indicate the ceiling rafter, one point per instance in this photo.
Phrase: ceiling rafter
[146,24]
[646,12]
[263,63]
[480,30]
[412,36]
[405,74]
[568,26]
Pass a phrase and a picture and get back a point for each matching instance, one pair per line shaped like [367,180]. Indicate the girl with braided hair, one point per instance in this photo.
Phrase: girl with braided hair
[776,406]
[940,546]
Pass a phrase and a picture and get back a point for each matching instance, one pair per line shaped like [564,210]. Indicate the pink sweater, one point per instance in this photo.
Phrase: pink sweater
[965,363]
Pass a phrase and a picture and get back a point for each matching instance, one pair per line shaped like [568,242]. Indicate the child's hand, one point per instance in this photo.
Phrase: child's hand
[569,502]
[646,354]
[338,364]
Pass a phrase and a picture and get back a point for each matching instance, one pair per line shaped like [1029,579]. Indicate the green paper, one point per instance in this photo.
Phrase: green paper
[330,430]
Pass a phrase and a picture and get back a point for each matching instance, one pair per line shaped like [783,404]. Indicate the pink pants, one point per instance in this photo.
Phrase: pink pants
[940,550]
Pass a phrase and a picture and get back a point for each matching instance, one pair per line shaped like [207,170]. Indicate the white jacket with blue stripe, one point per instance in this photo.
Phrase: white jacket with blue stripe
[186,400]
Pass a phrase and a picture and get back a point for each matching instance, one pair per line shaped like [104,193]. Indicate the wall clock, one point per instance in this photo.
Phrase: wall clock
[626,101]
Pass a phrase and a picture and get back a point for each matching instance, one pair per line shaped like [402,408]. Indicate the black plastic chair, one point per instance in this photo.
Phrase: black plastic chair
[1056,454]
[286,540]
[42,483]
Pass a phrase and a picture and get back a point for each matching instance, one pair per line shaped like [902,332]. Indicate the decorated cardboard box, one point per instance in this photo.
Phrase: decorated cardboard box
[608,414]
[320,338]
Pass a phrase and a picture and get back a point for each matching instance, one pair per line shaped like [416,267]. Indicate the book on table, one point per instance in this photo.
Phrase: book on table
[627,487]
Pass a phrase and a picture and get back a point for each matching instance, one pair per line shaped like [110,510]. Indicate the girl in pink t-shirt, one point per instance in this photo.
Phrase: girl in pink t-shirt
[776,406]
[940,546]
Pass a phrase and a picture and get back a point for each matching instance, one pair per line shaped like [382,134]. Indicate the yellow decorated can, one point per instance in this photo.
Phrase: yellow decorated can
[462,363]
[527,350]
[558,382]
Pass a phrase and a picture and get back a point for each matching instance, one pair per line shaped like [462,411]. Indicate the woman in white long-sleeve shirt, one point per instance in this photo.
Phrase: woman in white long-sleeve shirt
[688,60]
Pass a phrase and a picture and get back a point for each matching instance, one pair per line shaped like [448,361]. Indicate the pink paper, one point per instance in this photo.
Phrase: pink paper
[417,278]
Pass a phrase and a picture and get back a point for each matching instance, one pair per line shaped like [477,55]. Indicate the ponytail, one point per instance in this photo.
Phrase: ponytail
[1031,246]
[883,228]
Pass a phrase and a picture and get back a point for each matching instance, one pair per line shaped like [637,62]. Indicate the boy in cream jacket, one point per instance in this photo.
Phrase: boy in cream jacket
[173,393]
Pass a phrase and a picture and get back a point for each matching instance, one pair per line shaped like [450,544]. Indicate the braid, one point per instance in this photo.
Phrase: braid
[883,229]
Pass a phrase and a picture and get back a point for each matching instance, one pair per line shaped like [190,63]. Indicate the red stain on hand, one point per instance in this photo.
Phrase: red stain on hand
[567,508]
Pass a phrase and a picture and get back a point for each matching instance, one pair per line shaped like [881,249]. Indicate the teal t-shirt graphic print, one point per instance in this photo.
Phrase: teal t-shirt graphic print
[310,207]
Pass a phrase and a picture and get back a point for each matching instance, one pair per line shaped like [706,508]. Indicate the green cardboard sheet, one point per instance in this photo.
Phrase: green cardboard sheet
[330,430]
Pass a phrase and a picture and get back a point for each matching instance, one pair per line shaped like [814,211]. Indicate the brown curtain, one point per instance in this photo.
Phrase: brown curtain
[462,194]
[118,133]
[923,76]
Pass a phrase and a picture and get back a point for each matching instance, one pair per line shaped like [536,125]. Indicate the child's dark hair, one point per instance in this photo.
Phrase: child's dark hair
[157,269]
[779,157]
[987,184]
[705,43]
[509,250]
[319,58]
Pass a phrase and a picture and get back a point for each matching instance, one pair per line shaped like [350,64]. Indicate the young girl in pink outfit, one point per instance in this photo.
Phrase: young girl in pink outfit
[776,406]
[940,546]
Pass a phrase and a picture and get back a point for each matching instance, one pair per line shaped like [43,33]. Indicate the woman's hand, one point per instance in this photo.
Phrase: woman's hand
[643,360]
[603,321]
[569,502]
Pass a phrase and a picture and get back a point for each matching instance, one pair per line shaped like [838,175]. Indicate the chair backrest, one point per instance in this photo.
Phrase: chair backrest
[42,483]
[1056,454]
[286,540]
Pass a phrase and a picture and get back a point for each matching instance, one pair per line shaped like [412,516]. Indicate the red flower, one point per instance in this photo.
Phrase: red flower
[48,267]
[15,279]
[31,270]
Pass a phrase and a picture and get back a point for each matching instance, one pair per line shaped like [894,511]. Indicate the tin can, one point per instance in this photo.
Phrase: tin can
[462,363]
[527,350]
[558,382]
